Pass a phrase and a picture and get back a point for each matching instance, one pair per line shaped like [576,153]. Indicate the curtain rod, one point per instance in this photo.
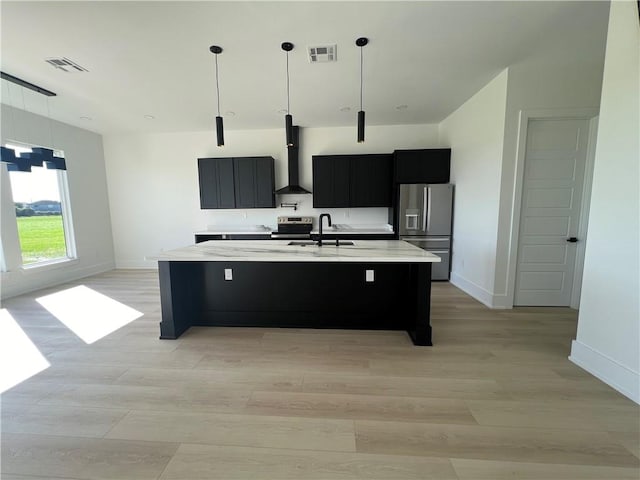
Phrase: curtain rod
[24,83]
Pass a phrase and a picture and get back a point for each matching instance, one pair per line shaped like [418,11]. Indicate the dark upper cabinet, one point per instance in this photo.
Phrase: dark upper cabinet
[254,182]
[352,181]
[242,182]
[422,166]
[265,183]
[330,180]
[216,183]
[370,181]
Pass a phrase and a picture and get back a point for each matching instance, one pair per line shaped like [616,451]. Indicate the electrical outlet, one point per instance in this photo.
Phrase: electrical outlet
[228,274]
[369,276]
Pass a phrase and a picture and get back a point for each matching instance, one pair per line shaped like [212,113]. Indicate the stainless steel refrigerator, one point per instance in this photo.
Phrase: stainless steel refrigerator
[425,221]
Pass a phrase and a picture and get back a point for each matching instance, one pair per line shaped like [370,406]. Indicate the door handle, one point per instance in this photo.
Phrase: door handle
[572,239]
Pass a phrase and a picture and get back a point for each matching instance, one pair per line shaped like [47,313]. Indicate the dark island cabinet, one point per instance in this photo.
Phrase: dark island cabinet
[240,182]
[342,181]
[422,166]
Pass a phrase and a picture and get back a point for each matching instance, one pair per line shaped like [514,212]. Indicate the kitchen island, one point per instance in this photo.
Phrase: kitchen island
[371,284]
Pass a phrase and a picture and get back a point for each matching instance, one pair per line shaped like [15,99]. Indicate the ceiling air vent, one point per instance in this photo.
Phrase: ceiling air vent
[63,63]
[323,54]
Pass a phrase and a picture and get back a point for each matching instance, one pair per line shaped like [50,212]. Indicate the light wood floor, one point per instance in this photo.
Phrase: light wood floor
[495,398]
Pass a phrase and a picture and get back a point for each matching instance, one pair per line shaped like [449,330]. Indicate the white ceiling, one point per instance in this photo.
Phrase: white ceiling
[152,58]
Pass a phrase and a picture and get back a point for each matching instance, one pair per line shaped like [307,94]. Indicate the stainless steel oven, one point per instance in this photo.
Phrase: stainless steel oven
[293,228]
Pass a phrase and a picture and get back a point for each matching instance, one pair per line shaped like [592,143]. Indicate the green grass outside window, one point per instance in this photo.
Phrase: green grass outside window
[41,238]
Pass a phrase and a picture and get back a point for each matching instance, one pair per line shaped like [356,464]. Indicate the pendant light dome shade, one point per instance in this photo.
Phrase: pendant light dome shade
[361,42]
[216,50]
[288,119]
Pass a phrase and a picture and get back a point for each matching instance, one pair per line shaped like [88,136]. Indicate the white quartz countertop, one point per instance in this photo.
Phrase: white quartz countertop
[344,229]
[236,230]
[336,229]
[279,251]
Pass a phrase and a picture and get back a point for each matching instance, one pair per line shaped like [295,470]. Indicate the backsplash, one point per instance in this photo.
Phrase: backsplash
[268,216]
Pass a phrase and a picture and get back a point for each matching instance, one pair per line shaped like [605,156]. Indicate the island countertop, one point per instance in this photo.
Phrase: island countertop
[389,251]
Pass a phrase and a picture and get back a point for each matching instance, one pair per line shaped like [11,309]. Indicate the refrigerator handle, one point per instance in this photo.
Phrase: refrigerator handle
[424,209]
[429,209]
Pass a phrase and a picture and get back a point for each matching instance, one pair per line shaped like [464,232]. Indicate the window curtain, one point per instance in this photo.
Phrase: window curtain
[36,158]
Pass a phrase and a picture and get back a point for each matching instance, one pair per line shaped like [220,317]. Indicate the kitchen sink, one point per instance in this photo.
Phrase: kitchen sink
[328,243]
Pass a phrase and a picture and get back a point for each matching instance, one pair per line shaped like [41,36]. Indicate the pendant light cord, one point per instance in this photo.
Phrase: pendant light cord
[288,106]
[217,85]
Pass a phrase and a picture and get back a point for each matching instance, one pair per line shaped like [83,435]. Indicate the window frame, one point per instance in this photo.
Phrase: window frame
[71,254]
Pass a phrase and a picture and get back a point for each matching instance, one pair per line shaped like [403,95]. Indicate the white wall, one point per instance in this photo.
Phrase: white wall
[608,339]
[88,195]
[476,132]
[566,75]
[153,181]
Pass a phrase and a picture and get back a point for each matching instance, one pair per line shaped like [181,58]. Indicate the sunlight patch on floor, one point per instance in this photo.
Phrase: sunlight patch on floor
[89,314]
[20,359]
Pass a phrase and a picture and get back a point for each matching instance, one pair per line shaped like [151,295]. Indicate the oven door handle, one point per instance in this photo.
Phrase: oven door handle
[289,236]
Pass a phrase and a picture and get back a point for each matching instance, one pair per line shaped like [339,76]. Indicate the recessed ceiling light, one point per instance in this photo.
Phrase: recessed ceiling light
[86,118]
[230,113]
[402,107]
[345,109]
[149,117]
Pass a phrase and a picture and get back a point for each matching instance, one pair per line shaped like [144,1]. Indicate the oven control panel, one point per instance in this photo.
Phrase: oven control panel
[295,220]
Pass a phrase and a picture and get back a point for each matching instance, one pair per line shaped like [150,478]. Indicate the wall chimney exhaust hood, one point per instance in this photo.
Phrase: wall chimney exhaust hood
[292,164]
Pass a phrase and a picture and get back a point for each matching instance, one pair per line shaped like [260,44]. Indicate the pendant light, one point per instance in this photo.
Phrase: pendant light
[288,119]
[361,42]
[219,126]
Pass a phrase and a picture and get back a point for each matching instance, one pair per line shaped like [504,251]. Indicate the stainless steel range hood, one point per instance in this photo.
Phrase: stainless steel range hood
[292,165]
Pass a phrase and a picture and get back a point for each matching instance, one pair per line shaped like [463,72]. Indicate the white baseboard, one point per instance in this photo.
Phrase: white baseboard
[614,374]
[137,265]
[18,282]
[479,293]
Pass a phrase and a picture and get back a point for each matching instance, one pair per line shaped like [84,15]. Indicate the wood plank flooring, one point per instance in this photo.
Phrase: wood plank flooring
[494,398]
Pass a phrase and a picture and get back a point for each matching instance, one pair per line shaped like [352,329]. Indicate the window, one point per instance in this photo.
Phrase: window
[40,199]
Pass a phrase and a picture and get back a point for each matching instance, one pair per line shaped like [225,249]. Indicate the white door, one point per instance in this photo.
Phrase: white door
[555,158]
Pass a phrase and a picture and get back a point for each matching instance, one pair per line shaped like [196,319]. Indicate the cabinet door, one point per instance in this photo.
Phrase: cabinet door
[215,176]
[265,183]
[370,181]
[245,181]
[224,169]
[331,181]
[254,182]
[422,166]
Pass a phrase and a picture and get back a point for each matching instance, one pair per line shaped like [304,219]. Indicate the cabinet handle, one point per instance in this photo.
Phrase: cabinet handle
[428,209]
[424,210]
[572,239]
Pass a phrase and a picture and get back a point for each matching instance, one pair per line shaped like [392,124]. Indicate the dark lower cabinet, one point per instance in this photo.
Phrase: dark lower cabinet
[430,165]
[204,237]
[352,181]
[240,182]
